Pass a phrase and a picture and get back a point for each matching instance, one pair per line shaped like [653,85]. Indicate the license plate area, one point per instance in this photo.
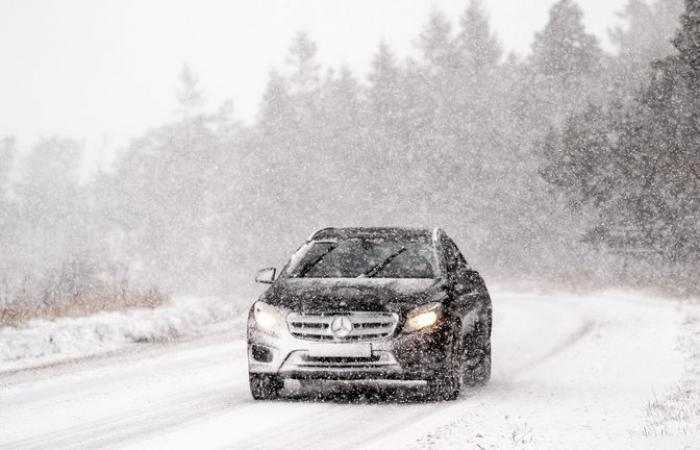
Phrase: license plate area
[340,351]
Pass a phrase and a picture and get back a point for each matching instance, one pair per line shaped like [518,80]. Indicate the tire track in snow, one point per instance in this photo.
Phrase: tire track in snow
[584,327]
[569,342]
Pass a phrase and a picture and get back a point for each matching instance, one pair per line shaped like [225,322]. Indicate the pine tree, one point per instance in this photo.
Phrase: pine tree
[639,164]
[478,110]
[304,80]
[646,37]
[563,70]
[574,155]
[435,43]
[385,95]
[687,41]
[670,110]
[564,50]
[433,83]
[276,110]
[301,59]
[479,48]
[341,99]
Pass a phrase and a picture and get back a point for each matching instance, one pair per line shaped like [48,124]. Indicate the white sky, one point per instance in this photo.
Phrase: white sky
[105,70]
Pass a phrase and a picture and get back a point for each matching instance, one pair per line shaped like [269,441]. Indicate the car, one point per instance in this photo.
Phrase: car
[372,304]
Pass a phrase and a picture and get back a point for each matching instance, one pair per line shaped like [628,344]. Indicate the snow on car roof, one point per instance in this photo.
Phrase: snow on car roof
[378,232]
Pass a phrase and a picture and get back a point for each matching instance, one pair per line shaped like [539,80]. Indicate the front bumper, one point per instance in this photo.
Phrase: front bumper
[415,356]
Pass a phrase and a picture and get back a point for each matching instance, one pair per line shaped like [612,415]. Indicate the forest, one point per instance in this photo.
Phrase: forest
[572,167]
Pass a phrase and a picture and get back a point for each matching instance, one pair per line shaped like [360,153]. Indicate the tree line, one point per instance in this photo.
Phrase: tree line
[571,165]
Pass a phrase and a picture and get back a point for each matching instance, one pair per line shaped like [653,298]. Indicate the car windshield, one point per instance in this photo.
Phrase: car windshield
[361,257]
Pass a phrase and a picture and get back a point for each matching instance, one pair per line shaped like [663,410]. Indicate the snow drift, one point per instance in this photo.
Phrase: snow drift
[40,342]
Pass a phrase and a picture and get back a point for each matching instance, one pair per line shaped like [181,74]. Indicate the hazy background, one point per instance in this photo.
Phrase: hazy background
[155,148]
[105,71]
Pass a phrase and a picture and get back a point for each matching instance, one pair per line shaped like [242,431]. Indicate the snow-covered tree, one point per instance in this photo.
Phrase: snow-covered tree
[385,92]
[645,36]
[564,50]
[479,48]
[436,44]
[276,108]
[639,164]
[564,68]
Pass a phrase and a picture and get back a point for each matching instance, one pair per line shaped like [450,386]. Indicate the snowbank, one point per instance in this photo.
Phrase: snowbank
[678,413]
[40,342]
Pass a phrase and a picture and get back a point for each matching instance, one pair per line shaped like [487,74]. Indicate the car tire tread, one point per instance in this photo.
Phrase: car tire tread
[265,386]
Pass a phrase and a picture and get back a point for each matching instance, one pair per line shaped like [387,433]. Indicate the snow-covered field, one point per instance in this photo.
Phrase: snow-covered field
[599,371]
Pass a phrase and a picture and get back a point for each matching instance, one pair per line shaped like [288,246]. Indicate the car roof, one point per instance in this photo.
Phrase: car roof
[373,232]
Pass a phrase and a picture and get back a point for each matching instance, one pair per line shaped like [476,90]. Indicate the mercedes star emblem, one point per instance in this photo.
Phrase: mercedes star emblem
[341,327]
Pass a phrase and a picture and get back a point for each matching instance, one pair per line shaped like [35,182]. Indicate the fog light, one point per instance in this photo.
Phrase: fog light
[260,353]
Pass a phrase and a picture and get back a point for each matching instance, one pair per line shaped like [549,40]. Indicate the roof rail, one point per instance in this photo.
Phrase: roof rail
[437,232]
[334,233]
[311,237]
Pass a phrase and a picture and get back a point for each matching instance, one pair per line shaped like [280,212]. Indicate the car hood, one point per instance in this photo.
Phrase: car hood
[351,294]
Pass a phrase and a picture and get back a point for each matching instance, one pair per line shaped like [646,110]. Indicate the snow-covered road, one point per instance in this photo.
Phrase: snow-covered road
[569,372]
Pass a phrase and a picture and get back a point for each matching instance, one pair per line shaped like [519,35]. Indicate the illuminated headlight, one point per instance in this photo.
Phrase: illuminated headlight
[423,317]
[267,317]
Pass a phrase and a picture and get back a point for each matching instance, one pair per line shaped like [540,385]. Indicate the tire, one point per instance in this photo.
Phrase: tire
[478,358]
[265,386]
[444,388]
[447,386]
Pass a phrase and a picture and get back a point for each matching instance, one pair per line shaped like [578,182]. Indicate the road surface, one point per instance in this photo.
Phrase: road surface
[569,372]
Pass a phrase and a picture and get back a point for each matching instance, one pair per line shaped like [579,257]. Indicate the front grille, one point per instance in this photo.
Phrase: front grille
[366,326]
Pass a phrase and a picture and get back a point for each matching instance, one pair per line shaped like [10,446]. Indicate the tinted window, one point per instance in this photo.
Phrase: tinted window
[376,257]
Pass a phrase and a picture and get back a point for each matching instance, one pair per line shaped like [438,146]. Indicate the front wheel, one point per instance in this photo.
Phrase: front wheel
[478,372]
[447,386]
[265,386]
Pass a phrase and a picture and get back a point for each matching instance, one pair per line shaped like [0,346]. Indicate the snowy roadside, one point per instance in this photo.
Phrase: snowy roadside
[41,342]
[632,380]
[677,414]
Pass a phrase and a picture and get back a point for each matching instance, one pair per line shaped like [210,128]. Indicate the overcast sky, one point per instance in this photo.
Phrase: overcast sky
[105,70]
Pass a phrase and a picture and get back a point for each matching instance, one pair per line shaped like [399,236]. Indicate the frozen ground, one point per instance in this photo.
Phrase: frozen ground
[612,371]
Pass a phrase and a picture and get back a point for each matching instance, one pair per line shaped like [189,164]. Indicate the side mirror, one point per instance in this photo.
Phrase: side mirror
[472,274]
[266,275]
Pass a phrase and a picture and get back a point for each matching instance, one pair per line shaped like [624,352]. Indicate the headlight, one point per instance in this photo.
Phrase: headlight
[267,317]
[423,317]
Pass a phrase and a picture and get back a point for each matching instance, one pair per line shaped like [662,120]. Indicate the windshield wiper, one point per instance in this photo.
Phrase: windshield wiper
[379,267]
[318,259]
